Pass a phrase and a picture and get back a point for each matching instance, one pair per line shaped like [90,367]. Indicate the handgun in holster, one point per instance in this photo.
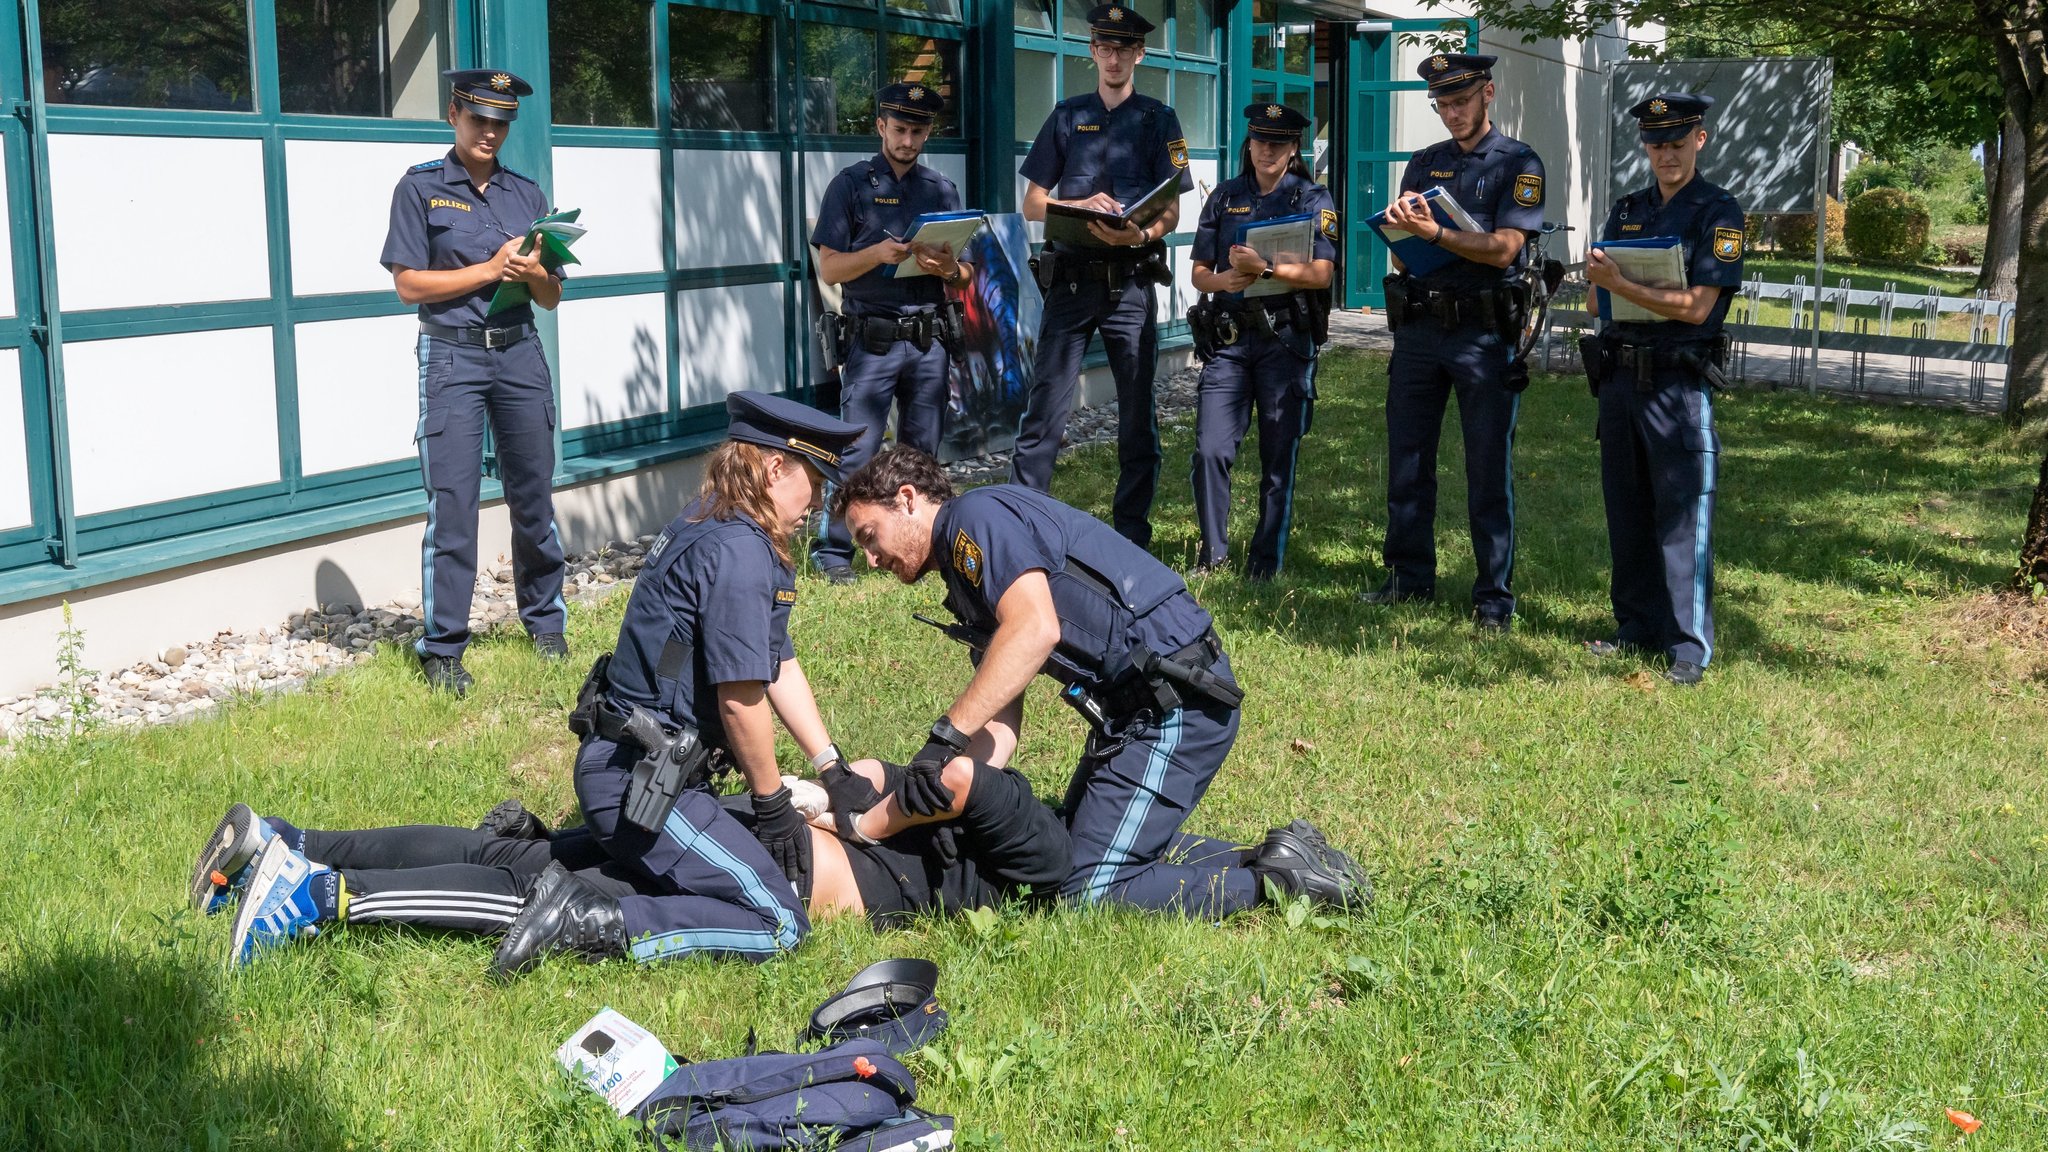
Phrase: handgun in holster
[671,764]
[1045,268]
[832,340]
[952,326]
[1593,354]
[1708,361]
[1202,327]
[1152,265]
[583,717]
[1395,286]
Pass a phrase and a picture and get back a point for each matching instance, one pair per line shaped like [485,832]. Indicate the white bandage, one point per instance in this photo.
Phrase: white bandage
[808,796]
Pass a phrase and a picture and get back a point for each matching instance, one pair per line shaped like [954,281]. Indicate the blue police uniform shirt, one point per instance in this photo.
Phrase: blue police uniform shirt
[987,537]
[1499,183]
[1236,202]
[717,586]
[866,204]
[1708,221]
[1084,148]
[439,221]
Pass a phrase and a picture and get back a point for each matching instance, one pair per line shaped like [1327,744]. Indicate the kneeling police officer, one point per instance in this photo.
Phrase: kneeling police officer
[1261,351]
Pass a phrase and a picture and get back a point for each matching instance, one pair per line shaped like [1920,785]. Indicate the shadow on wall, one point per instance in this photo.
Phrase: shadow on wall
[333,589]
[1529,105]
[1763,135]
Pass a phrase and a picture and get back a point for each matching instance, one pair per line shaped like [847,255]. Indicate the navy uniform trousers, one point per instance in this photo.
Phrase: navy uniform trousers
[1125,806]
[725,895]
[1430,362]
[462,386]
[1658,471]
[869,384]
[1131,337]
[1265,372]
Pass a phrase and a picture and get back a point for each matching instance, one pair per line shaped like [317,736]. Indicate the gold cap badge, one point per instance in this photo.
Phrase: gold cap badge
[1659,107]
[1115,15]
[1439,62]
[502,82]
[917,93]
[1273,111]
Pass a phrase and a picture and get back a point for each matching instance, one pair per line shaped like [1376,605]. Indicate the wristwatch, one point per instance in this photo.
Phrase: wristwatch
[1266,273]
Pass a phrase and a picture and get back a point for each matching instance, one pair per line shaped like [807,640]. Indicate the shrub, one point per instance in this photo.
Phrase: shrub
[1886,224]
[1795,232]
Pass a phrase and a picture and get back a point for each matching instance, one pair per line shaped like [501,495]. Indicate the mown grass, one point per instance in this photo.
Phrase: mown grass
[1798,908]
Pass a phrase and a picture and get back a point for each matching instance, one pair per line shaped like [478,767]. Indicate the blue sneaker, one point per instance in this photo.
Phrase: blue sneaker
[222,870]
[281,904]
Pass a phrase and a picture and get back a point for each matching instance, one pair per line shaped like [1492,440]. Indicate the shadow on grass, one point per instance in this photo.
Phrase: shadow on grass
[124,1049]
[1810,490]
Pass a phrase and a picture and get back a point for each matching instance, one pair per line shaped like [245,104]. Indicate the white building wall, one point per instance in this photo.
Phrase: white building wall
[358,391]
[15,510]
[339,201]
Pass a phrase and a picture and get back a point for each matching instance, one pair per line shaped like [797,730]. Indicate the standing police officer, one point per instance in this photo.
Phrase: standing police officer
[1269,360]
[1103,150]
[1044,587]
[894,346]
[457,225]
[1658,445]
[1454,331]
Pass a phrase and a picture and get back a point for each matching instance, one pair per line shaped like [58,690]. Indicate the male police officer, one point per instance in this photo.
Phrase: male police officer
[895,348]
[1103,150]
[1040,586]
[1658,445]
[1454,332]
[457,225]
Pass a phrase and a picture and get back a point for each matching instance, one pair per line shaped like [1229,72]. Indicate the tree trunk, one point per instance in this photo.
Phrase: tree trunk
[2033,569]
[2026,380]
[2004,169]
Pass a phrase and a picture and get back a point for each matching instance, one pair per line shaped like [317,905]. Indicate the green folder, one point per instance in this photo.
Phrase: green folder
[554,232]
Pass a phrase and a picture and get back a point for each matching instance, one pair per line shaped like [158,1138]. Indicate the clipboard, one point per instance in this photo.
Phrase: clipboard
[951,230]
[1653,261]
[1420,256]
[1280,240]
[1066,224]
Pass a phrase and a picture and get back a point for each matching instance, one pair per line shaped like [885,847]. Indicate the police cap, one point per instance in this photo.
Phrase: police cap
[894,1002]
[1274,121]
[779,422]
[1118,24]
[910,103]
[1670,116]
[1449,72]
[488,92]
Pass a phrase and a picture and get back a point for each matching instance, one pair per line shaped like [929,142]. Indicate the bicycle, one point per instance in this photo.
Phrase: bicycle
[1538,290]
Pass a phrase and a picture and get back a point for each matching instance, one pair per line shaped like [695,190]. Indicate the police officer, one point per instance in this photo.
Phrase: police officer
[1269,360]
[704,650]
[1454,332]
[1658,444]
[457,224]
[1102,150]
[1045,587]
[894,352]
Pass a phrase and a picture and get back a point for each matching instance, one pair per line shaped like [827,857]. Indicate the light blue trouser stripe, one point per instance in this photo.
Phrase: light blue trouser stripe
[666,944]
[1293,458]
[1508,475]
[1141,807]
[426,481]
[1701,550]
[560,605]
[689,839]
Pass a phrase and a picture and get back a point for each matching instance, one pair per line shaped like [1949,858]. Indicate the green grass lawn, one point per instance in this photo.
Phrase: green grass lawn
[1800,907]
[1907,279]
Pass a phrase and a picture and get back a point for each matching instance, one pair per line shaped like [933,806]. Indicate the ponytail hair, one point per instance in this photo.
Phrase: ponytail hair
[736,481]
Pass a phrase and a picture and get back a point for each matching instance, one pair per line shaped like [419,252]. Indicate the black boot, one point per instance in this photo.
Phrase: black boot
[510,819]
[1300,862]
[562,914]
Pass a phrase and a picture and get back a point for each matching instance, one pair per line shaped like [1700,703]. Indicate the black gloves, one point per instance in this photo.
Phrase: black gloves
[849,790]
[783,833]
[922,792]
[942,745]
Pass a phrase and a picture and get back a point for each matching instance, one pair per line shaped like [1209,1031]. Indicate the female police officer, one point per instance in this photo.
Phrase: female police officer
[457,224]
[1269,358]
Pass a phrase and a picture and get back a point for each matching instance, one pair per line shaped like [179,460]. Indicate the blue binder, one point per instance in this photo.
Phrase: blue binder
[1419,255]
[1645,242]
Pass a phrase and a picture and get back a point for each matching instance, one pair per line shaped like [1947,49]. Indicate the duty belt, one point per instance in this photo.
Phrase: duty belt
[1642,360]
[1454,308]
[481,336]
[918,327]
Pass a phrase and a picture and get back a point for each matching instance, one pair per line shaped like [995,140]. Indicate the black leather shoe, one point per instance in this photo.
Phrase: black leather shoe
[1299,862]
[1393,593]
[562,914]
[511,820]
[1494,619]
[551,646]
[1685,673]
[841,575]
[446,674]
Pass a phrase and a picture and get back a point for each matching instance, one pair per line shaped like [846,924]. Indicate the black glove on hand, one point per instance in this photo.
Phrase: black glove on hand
[850,791]
[784,834]
[923,792]
[942,745]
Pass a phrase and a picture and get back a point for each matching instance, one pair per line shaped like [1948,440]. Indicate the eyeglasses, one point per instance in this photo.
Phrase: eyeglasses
[1104,48]
[1458,103]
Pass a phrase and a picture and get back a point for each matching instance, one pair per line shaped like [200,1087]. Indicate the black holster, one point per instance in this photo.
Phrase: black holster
[1202,326]
[1395,285]
[832,331]
[675,759]
[952,329]
[1593,354]
[1152,267]
[583,717]
[1045,268]
[1317,305]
